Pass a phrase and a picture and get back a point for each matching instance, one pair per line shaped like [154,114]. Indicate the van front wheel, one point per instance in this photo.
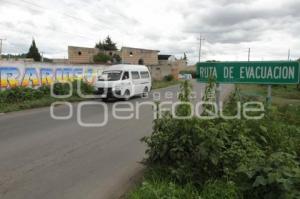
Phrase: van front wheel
[126,95]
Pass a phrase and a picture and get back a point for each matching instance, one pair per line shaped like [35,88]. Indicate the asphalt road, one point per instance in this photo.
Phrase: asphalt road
[51,159]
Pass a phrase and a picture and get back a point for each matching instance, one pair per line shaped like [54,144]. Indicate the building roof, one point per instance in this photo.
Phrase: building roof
[163,57]
[124,47]
[126,67]
[79,47]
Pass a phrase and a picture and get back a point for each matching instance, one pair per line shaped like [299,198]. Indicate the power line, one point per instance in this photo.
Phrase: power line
[61,13]
[58,12]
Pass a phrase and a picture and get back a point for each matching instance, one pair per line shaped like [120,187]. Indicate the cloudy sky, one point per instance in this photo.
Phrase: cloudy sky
[230,27]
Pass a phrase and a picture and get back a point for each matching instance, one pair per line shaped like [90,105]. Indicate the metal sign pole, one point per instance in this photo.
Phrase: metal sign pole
[269,96]
[218,91]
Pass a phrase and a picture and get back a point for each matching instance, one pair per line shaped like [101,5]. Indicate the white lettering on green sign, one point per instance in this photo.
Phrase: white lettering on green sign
[275,72]
[267,72]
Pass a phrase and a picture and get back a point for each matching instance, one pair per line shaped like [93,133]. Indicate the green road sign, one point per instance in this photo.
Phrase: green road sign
[260,72]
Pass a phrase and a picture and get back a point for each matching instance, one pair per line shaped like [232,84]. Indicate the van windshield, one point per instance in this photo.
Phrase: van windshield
[113,75]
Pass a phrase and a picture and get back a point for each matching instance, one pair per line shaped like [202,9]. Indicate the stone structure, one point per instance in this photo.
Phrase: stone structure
[81,55]
[139,56]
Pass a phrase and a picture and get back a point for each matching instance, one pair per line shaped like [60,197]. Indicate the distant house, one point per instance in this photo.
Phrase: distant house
[139,56]
[168,65]
[166,59]
[81,55]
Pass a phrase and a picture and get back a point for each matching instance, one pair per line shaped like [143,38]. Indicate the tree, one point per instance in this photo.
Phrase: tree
[184,57]
[210,61]
[34,52]
[107,44]
[100,45]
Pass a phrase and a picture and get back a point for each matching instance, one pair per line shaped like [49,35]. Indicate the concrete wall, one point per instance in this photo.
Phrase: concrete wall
[159,72]
[33,74]
[167,67]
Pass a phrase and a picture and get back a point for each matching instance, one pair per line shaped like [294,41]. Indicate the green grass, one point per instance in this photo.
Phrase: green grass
[281,95]
[285,98]
[157,185]
[43,102]
[164,84]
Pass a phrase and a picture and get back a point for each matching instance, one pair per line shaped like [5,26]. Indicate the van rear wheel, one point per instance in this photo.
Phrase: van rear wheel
[105,99]
[145,92]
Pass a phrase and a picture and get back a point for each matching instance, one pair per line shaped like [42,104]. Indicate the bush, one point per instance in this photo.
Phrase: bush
[22,94]
[101,58]
[260,157]
[116,58]
[85,88]
[61,88]
[169,78]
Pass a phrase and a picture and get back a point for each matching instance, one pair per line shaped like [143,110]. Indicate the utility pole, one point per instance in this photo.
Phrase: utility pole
[200,46]
[1,41]
[289,54]
[249,51]
[42,60]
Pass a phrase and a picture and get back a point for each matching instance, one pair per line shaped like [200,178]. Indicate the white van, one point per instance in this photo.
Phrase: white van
[123,81]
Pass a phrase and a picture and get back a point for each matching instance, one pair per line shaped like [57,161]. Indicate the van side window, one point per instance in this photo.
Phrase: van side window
[145,75]
[125,75]
[135,75]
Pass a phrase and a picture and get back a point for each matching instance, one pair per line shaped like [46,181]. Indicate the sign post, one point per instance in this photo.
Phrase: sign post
[218,94]
[269,96]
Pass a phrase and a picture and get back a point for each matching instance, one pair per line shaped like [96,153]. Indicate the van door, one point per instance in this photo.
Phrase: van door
[126,82]
[145,80]
[136,82]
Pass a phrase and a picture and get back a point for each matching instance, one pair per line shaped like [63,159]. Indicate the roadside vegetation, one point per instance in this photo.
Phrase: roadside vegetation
[21,98]
[168,80]
[285,98]
[281,95]
[226,159]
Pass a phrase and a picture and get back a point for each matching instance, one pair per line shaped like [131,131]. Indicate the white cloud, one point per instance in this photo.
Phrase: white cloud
[171,26]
